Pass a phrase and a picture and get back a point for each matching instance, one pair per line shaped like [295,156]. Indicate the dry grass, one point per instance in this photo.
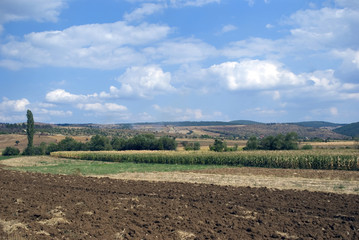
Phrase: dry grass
[321,185]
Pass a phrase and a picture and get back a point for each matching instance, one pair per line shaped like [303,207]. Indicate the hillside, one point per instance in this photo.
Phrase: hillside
[318,124]
[349,130]
[245,131]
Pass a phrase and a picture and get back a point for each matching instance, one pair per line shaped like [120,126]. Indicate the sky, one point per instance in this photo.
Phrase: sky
[130,61]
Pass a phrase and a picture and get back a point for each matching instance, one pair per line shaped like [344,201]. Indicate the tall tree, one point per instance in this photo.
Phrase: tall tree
[30,129]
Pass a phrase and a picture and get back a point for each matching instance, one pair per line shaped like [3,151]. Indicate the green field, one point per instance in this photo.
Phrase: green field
[79,167]
[296,159]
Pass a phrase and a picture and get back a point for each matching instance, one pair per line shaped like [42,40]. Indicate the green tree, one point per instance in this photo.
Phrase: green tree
[99,143]
[30,129]
[252,143]
[218,146]
[291,141]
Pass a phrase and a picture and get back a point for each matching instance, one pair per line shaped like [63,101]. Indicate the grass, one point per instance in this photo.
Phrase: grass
[6,157]
[78,167]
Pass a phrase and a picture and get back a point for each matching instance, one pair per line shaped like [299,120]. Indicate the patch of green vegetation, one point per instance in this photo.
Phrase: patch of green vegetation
[103,168]
[5,157]
[339,187]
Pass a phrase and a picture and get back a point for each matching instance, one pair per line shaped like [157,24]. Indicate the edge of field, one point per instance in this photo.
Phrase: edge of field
[336,181]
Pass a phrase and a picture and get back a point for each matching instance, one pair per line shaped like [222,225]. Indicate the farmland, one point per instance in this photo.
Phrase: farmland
[299,194]
[314,159]
[48,206]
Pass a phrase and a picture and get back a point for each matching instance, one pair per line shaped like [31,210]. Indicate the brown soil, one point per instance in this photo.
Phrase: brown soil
[43,206]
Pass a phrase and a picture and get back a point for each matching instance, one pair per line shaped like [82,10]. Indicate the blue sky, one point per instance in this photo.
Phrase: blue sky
[124,61]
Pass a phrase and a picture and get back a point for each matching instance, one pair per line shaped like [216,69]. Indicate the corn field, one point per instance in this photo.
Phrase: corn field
[315,159]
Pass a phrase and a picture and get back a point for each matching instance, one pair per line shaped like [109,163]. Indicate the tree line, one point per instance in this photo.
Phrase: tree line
[278,142]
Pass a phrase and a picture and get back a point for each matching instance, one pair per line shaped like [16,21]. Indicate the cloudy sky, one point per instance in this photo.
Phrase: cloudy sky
[124,61]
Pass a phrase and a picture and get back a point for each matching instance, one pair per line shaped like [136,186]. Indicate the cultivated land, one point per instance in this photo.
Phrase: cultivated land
[195,204]
[76,199]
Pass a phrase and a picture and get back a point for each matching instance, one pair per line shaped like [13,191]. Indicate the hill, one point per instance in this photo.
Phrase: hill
[349,130]
[317,124]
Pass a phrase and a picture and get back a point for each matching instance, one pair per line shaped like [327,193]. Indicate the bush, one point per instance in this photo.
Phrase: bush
[32,151]
[192,146]
[307,147]
[11,151]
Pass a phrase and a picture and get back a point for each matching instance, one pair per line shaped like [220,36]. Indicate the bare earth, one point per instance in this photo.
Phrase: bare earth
[178,206]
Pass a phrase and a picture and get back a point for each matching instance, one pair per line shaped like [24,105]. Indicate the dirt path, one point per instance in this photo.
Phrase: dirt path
[44,206]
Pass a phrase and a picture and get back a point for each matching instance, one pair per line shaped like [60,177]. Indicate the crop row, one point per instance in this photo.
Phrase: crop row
[345,160]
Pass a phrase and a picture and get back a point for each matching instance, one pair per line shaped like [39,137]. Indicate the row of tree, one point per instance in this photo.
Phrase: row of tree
[100,143]
[279,142]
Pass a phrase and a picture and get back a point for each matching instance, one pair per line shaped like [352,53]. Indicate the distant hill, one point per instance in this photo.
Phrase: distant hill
[244,122]
[274,129]
[200,123]
[349,130]
[317,124]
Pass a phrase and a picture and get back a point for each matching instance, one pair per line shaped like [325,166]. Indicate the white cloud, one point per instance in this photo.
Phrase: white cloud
[61,96]
[39,10]
[326,27]
[253,74]
[99,107]
[101,46]
[228,28]
[144,82]
[14,105]
[349,56]
[56,113]
[150,7]
[348,3]
[145,10]
[183,51]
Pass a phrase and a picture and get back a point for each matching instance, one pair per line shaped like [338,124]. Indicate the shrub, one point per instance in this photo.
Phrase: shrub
[307,147]
[11,151]
[192,146]
[32,151]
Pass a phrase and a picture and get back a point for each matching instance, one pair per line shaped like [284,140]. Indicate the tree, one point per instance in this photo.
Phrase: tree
[100,143]
[252,143]
[218,146]
[30,129]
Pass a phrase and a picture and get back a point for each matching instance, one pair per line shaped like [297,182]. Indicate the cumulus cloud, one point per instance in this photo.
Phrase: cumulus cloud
[253,74]
[14,105]
[326,27]
[61,96]
[38,10]
[99,107]
[101,46]
[349,56]
[144,82]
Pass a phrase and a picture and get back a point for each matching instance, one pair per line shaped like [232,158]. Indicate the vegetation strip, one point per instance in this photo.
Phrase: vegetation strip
[313,159]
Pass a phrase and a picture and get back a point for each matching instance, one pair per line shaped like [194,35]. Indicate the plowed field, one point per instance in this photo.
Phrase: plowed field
[43,206]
